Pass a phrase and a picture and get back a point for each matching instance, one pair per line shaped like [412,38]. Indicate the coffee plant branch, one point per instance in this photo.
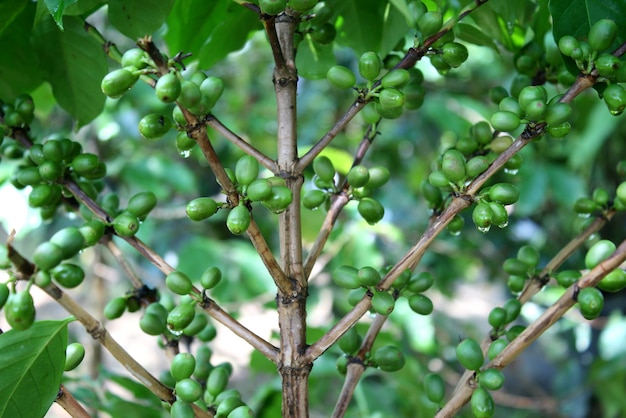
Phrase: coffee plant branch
[466,386]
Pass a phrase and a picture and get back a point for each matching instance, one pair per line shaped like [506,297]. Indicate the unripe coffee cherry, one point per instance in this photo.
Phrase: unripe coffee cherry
[434,387]
[482,403]
[369,65]
[19,310]
[168,88]
[429,23]
[454,54]
[154,126]
[118,82]
[346,277]
[453,165]
[421,304]
[188,390]
[201,208]
[74,354]
[371,210]
[382,302]
[246,170]
[126,224]
[389,358]
[279,200]
[590,302]
[602,34]
[505,121]
[210,277]
[491,379]
[341,77]
[272,7]
[469,354]
[599,252]
[504,193]
[258,190]
[179,283]
[238,219]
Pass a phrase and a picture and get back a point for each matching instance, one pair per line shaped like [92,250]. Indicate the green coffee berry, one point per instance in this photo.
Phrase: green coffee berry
[491,379]
[188,390]
[389,358]
[19,310]
[421,304]
[599,252]
[181,316]
[504,193]
[509,104]
[210,278]
[496,348]
[558,113]
[323,34]
[118,82]
[126,224]
[516,267]
[396,78]
[242,411]
[168,88]
[614,281]
[341,77]
[280,199]
[368,276]
[115,308]
[201,208]
[434,387]
[469,354]
[217,381]
[371,210]
[179,283]
[246,170]
[378,177]
[272,7]
[313,199]
[382,302]
[482,215]
[152,324]
[259,190]
[453,165]
[429,23]
[74,355]
[482,403]
[47,255]
[212,89]
[4,294]
[505,121]
[302,6]
[358,176]
[154,126]
[454,54]
[566,278]
[141,204]
[512,307]
[70,241]
[346,277]
[197,325]
[68,275]
[602,34]
[182,366]
[369,65]
[92,231]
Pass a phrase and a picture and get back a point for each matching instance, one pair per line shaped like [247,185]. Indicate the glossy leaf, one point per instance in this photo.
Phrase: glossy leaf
[137,18]
[313,60]
[209,30]
[9,11]
[57,8]
[31,368]
[74,65]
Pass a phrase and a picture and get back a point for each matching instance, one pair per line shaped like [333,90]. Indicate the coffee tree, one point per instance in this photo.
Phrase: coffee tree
[352,166]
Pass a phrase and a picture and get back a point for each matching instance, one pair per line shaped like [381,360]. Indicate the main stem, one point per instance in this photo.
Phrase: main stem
[291,301]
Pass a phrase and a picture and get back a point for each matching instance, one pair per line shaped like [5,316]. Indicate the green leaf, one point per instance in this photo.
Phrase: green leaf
[57,8]
[137,18]
[209,30]
[31,368]
[313,60]
[19,63]
[403,8]
[74,64]
[472,34]
[9,9]
[575,17]
[363,24]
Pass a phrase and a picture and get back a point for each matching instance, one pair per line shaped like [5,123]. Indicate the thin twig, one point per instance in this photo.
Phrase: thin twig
[67,401]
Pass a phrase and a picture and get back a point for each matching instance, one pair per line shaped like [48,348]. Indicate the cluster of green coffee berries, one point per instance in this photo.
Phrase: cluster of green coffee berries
[390,94]
[532,106]
[521,267]
[196,381]
[196,92]
[16,115]
[387,358]
[595,53]
[270,192]
[365,279]
[361,181]
[274,7]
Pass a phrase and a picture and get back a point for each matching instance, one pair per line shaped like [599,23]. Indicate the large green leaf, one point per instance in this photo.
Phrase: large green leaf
[74,64]
[137,18]
[9,9]
[210,30]
[19,64]
[313,60]
[31,368]
[369,25]
[57,9]
[575,17]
